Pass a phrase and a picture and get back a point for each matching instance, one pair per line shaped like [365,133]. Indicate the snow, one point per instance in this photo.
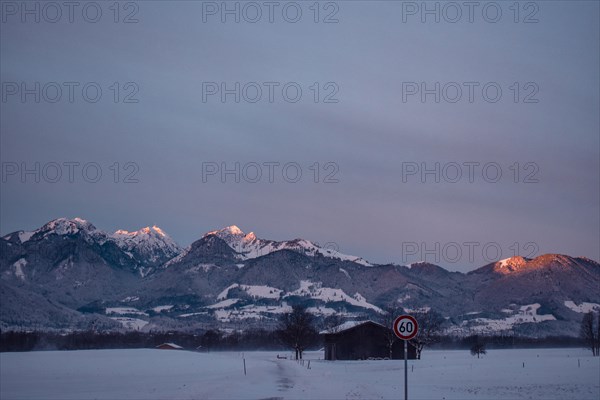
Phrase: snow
[249,246]
[232,230]
[131,323]
[162,308]
[178,257]
[198,267]
[157,374]
[511,264]
[149,240]
[417,264]
[259,291]
[193,314]
[173,345]
[224,303]
[504,262]
[262,291]
[314,290]
[343,271]
[19,264]
[65,226]
[225,292]
[267,292]
[404,298]
[583,307]
[344,257]
[25,236]
[152,241]
[124,311]
[424,309]
[345,326]
[251,312]
[322,311]
[525,314]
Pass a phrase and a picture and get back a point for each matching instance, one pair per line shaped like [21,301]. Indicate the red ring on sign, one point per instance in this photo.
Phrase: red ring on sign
[400,334]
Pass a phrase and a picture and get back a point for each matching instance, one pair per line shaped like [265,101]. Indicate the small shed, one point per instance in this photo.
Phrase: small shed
[361,340]
[169,346]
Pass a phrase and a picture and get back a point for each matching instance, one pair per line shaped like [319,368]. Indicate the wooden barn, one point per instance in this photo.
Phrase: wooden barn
[361,340]
[169,346]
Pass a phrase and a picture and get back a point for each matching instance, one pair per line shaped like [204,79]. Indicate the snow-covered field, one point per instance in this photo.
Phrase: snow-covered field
[172,374]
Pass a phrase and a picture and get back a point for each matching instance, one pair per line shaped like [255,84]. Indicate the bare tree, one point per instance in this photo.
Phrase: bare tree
[478,348]
[590,336]
[296,329]
[210,339]
[430,329]
[387,320]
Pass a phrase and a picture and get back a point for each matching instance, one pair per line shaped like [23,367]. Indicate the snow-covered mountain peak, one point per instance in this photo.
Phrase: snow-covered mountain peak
[158,230]
[233,230]
[512,264]
[151,237]
[61,227]
[150,243]
[250,237]
[234,237]
[230,234]
[556,260]
[250,246]
[147,231]
[75,227]
[65,226]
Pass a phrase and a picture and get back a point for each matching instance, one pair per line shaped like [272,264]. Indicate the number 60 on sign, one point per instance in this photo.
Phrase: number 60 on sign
[406,327]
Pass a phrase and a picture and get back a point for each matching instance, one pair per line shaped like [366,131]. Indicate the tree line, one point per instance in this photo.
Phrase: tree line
[297,331]
[210,340]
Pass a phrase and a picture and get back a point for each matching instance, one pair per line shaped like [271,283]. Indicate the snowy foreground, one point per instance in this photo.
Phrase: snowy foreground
[173,374]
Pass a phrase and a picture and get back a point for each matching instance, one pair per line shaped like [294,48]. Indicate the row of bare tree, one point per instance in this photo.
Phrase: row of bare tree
[296,330]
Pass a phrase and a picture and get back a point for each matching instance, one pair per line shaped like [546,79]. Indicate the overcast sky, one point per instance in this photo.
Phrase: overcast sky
[370,131]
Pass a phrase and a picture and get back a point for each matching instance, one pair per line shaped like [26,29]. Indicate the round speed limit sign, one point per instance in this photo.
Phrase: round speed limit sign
[406,327]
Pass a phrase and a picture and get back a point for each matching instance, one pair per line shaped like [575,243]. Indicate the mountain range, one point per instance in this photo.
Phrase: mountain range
[70,275]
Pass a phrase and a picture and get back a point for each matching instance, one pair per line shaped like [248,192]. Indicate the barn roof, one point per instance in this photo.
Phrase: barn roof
[173,345]
[346,326]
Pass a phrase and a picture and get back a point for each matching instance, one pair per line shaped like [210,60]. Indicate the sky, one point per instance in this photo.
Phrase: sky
[376,129]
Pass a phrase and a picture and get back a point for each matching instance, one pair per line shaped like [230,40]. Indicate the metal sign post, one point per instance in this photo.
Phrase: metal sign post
[405,327]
